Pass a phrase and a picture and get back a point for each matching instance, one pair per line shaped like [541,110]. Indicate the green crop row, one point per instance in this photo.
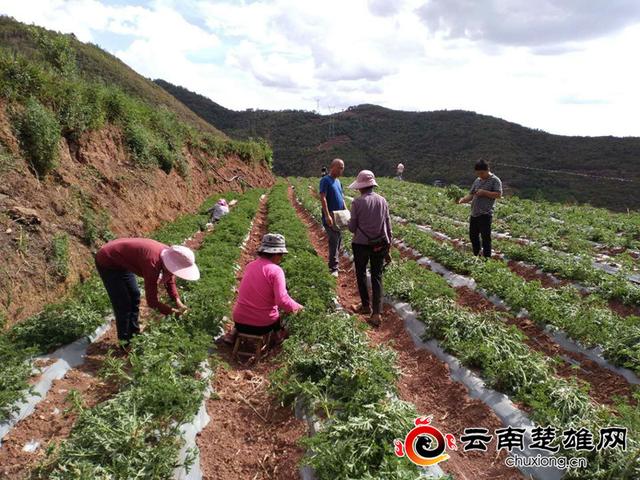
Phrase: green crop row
[577,267]
[327,363]
[587,320]
[136,434]
[58,324]
[485,342]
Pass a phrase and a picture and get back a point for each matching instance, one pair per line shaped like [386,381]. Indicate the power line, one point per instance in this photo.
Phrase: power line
[577,174]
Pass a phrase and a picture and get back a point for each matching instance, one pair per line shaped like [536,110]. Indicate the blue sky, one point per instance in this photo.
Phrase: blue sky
[564,66]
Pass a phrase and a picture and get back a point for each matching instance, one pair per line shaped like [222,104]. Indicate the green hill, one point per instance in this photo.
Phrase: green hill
[95,64]
[438,145]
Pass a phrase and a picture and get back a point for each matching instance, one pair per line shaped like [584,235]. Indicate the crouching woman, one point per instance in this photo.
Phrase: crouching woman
[263,292]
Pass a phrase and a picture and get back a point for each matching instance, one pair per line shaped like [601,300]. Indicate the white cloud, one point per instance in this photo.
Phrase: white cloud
[540,64]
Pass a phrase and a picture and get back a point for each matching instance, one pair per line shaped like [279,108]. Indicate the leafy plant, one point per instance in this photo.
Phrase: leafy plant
[95,225]
[59,255]
[39,133]
[360,446]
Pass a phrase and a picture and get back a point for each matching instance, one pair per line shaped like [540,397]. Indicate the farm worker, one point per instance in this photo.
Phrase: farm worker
[371,228]
[219,210]
[263,292]
[332,199]
[119,261]
[484,191]
[399,171]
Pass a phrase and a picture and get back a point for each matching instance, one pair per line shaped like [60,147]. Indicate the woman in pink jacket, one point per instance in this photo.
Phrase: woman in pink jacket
[263,292]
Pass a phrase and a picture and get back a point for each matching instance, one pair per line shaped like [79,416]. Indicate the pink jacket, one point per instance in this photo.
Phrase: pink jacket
[263,290]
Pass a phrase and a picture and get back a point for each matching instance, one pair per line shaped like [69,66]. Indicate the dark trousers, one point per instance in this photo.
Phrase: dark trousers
[362,255]
[480,227]
[335,243]
[124,294]
[255,330]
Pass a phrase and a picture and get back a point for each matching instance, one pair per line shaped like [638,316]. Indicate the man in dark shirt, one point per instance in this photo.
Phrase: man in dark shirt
[483,194]
[332,199]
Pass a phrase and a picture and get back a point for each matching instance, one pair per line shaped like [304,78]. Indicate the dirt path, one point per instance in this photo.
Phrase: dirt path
[51,421]
[425,380]
[604,384]
[250,435]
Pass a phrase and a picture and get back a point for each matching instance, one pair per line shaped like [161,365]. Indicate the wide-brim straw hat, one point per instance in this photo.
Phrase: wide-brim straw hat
[365,179]
[273,243]
[180,261]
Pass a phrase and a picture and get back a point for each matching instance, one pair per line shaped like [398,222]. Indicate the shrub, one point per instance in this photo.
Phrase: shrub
[80,108]
[39,132]
[56,49]
[59,255]
[95,226]
[164,156]
[140,143]
[19,78]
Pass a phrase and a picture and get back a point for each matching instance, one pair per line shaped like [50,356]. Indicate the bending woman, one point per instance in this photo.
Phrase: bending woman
[119,261]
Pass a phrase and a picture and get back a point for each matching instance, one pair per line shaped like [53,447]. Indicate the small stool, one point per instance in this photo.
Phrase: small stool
[251,346]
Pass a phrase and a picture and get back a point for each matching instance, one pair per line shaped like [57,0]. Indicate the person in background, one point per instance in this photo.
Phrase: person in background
[332,199]
[119,261]
[483,194]
[371,227]
[324,171]
[219,210]
[399,171]
[263,292]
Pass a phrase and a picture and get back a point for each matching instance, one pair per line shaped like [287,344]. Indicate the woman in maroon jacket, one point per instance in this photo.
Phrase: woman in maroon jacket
[119,261]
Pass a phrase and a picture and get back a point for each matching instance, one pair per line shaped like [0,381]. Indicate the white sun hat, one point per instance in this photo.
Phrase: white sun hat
[180,261]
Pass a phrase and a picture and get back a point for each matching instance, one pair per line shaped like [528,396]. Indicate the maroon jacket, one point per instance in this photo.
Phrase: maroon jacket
[142,257]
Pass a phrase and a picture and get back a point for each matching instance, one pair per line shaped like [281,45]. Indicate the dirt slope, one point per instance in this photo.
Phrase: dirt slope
[96,176]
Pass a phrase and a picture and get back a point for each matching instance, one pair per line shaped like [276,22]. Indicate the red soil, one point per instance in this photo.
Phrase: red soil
[51,421]
[250,435]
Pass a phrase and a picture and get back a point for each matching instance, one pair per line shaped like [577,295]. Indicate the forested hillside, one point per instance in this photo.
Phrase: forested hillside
[439,145]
